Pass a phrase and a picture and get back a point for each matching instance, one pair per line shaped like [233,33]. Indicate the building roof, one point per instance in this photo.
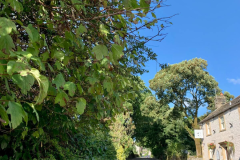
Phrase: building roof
[223,108]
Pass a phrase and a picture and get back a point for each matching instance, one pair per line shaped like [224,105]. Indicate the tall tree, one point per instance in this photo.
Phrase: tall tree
[158,125]
[188,86]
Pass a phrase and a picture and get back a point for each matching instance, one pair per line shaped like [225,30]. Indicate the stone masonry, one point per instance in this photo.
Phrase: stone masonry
[231,114]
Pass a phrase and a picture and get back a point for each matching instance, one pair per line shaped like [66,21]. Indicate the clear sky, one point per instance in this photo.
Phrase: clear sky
[204,29]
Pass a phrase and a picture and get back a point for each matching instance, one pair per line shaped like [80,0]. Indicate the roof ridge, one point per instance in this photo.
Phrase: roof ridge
[223,108]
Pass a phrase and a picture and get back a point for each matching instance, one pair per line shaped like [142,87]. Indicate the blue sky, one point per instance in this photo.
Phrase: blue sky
[203,29]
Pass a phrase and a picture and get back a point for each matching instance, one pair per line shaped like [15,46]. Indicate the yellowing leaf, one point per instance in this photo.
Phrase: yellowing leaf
[43,85]
[103,30]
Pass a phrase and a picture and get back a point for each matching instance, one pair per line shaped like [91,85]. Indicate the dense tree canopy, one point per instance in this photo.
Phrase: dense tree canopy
[68,67]
[158,126]
[188,86]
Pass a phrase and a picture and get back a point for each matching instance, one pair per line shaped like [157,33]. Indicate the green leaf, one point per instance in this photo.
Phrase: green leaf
[59,81]
[6,26]
[40,130]
[44,56]
[17,113]
[144,5]
[3,67]
[108,85]
[24,133]
[117,39]
[33,51]
[6,42]
[81,29]
[25,118]
[43,85]
[34,110]
[79,88]
[103,30]
[100,51]
[4,115]
[32,33]
[38,62]
[23,82]
[69,36]
[130,3]
[4,145]
[19,22]
[26,54]
[58,65]
[71,87]
[59,55]
[52,91]
[117,51]
[81,105]
[62,98]
[153,15]
[13,67]
[17,6]
[92,80]
[50,67]
[35,134]
[6,84]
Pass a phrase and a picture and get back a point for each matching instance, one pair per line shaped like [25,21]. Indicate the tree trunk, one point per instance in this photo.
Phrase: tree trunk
[198,147]
[197,140]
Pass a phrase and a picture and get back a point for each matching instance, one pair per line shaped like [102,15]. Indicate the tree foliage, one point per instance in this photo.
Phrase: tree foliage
[158,126]
[66,67]
[188,86]
[121,133]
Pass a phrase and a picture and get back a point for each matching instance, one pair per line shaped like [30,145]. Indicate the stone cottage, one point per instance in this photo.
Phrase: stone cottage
[221,130]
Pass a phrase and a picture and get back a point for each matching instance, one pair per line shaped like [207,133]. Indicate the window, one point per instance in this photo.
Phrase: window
[208,128]
[222,123]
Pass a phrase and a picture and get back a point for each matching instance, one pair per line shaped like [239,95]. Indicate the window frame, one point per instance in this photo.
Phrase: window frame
[220,123]
[207,125]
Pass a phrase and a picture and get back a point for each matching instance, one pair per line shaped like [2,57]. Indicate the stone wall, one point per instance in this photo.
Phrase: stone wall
[232,134]
[193,158]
